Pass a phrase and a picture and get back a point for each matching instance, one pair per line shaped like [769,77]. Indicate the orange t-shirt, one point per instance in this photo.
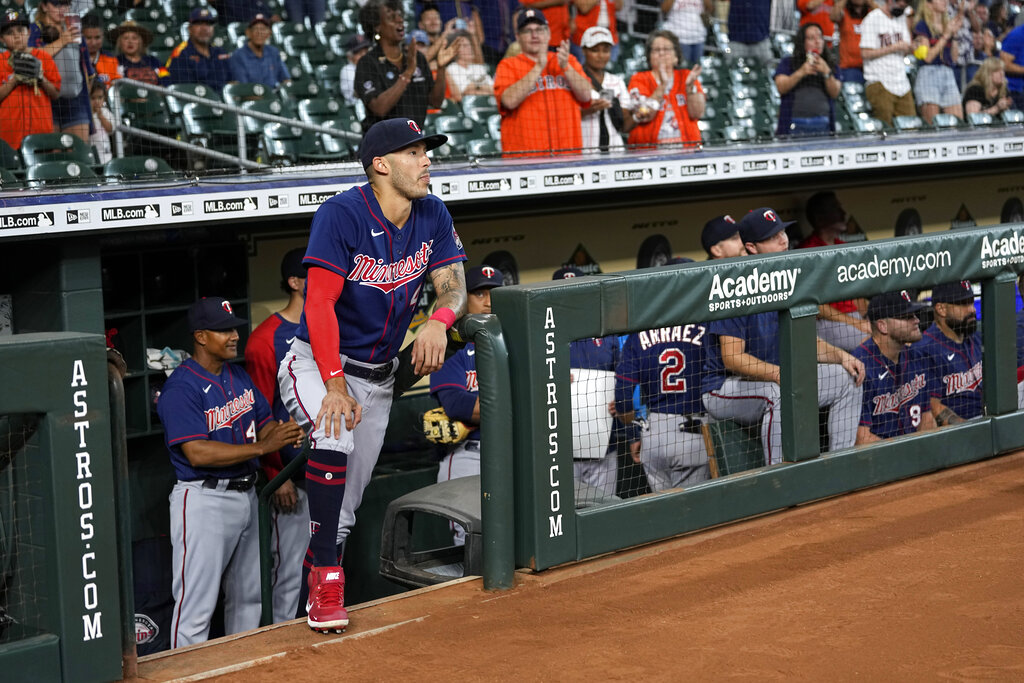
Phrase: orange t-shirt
[648,133]
[547,121]
[558,20]
[25,111]
[106,65]
[585,21]
[819,15]
[849,41]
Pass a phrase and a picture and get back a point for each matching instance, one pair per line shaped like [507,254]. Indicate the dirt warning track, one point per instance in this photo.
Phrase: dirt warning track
[913,581]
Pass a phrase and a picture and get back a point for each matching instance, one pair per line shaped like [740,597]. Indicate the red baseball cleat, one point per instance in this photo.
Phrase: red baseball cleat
[326,607]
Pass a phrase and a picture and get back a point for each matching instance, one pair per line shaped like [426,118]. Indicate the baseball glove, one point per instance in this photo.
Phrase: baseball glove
[26,67]
[439,428]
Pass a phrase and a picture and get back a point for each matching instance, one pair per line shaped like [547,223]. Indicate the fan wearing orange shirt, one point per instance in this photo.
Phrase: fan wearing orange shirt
[674,98]
[540,94]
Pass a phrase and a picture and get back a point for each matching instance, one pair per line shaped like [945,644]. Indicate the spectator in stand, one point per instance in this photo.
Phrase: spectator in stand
[987,90]
[999,20]
[104,63]
[102,122]
[983,47]
[540,93]
[393,79]
[241,11]
[430,23]
[1012,54]
[671,99]
[474,24]
[608,115]
[840,323]
[51,32]
[685,18]
[355,48]
[721,238]
[309,12]
[493,21]
[466,76]
[599,13]
[198,60]
[749,22]
[819,12]
[25,106]
[808,86]
[936,86]
[884,41]
[256,61]
[963,38]
[557,14]
[847,16]
[131,41]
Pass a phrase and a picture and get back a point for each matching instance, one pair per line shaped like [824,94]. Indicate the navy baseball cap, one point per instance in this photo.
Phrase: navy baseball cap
[11,18]
[213,313]
[893,305]
[391,135]
[483,277]
[717,229]
[291,264]
[567,272]
[356,43]
[202,15]
[953,293]
[760,224]
[259,19]
[530,16]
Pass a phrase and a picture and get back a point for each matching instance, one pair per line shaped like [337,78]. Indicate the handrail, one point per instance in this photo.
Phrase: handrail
[241,159]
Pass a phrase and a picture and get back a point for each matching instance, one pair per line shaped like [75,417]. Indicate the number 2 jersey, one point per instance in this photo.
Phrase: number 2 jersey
[666,363]
[383,267]
[196,405]
[896,395]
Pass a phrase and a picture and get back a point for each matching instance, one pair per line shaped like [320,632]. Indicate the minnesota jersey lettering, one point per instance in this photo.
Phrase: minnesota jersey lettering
[225,415]
[373,272]
[891,402]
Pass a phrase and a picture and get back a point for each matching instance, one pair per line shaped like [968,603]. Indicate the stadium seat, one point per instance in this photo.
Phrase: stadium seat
[980,118]
[479,107]
[254,126]
[311,60]
[338,43]
[236,33]
[732,447]
[56,173]
[907,123]
[350,18]
[176,106]
[291,145]
[326,30]
[483,147]
[323,111]
[329,76]
[867,124]
[943,121]
[163,45]
[1013,116]
[283,29]
[8,181]
[206,123]
[42,147]
[137,168]
[297,43]
[300,89]
[853,88]
[494,126]
[145,14]
[9,158]
[144,108]
[239,93]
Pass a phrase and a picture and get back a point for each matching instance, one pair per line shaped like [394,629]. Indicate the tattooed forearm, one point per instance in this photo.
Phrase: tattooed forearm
[948,417]
[450,286]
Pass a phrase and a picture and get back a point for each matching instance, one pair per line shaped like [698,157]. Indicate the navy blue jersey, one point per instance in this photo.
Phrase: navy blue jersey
[383,267]
[896,395]
[955,371]
[264,349]
[187,65]
[666,363]
[597,353]
[760,331]
[455,386]
[195,405]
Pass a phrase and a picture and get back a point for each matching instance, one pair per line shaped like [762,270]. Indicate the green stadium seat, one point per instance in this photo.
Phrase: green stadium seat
[290,145]
[209,124]
[163,45]
[297,43]
[738,133]
[311,60]
[329,76]
[300,89]
[254,126]
[146,14]
[338,42]
[283,29]
[236,32]
[137,168]
[57,173]
[9,181]
[494,126]
[868,124]
[144,108]
[483,147]
[907,123]
[1013,116]
[328,29]
[945,121]
[176,106]
[239,93]
[732,447]
[42,147]
[980,118]
[479,107]
[350,18]
[853,88]
[323,111]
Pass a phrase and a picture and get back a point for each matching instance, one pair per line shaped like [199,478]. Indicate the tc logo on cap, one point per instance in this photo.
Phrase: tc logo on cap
[415,127]
[966,284]
[905,295]
[227,307]
[568,275]
[488,271]
[729,219]
[769,215]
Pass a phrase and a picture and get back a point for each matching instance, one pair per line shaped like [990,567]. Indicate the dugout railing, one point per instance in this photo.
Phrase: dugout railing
[549,530]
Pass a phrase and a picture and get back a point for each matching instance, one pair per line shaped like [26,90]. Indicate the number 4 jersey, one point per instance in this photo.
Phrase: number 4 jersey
[666,364]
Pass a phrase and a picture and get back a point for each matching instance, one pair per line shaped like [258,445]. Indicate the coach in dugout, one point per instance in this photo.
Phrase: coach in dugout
[896,397]
[742,372]
[953,347]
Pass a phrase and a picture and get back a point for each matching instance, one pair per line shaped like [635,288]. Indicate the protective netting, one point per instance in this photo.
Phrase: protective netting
[670,407]
[149,88]
[22,588]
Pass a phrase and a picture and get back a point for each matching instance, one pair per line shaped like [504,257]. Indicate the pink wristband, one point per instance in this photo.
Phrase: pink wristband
[445,315]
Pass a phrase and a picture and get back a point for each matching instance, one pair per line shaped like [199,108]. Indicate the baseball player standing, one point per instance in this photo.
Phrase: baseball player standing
[216,425]
[896,385]
[370,249]
[455,387]
[742,370]
[264,351]
[953,347]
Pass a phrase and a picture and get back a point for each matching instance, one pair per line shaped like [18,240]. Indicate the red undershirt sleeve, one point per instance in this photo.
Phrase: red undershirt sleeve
[323,289]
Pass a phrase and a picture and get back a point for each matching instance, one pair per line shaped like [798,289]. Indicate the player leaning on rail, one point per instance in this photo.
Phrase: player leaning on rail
[370,249]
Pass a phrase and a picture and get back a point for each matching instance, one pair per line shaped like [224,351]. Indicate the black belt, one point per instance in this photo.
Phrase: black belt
[236,484]
[690,424]
[376,374]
